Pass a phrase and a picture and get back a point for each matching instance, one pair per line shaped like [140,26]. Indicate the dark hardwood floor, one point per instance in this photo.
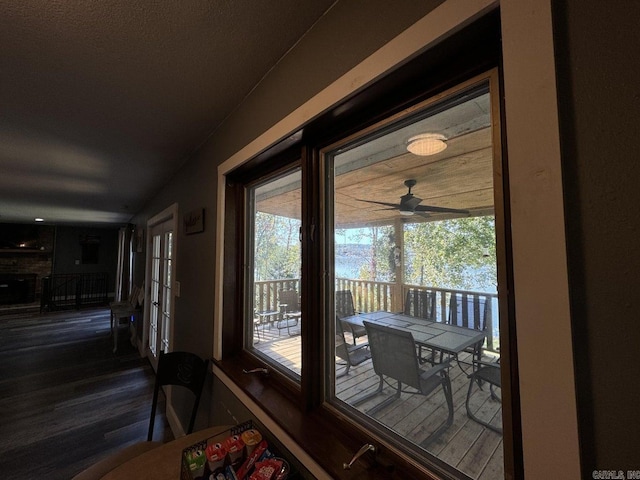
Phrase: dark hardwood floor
[66,400]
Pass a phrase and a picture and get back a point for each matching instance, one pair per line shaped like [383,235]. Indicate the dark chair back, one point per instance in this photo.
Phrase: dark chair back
[289,301]
[469,311]
[182,369]
[393,353]
[344,304]
[421,303]
[341,343]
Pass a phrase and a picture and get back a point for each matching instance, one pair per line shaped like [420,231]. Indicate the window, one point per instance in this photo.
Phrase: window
[273,271]
[412,238]
[393,256]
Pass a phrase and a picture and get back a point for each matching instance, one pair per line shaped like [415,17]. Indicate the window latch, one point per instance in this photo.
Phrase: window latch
[364,449]
[264,371]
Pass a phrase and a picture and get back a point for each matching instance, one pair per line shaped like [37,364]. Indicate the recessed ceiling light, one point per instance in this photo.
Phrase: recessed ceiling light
[39,219]
[426,144]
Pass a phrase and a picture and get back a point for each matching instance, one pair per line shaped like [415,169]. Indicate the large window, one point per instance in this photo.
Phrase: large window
[414,287]
[367,274]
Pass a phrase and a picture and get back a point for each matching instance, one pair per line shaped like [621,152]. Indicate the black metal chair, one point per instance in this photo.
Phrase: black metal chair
[393,353]
[176,368]
[182,369]
[352,354]
[421,303]
[484,372]
[470,311]
[345,308]
[289,303]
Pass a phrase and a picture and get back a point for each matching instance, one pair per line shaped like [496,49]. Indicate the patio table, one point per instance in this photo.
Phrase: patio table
[443,337]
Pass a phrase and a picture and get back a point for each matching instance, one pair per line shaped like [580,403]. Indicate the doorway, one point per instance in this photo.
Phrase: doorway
[160,268]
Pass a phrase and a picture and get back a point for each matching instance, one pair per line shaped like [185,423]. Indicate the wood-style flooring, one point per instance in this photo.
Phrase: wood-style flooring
[66,400]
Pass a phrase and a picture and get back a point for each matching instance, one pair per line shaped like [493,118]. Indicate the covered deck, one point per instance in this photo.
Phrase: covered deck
[466,445]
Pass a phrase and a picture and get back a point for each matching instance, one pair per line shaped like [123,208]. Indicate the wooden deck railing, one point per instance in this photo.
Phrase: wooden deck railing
[371,296]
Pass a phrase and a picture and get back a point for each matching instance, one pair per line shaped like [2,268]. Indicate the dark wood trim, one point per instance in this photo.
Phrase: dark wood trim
[512,426]
[233,274]
[313,304]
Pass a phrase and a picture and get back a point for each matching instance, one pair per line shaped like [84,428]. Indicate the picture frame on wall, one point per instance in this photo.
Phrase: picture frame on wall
[193,221]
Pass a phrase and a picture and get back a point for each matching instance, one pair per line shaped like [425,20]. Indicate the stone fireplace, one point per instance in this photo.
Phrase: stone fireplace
[23,264]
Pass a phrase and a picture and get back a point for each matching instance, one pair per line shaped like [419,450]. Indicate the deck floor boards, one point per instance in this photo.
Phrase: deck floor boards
[465,445]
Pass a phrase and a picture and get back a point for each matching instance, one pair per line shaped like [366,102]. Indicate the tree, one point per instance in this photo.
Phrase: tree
[276,247]
[457,253]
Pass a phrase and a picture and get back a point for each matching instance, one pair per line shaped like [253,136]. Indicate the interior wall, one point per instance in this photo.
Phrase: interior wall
[600,114]
[342,38]
[68,252]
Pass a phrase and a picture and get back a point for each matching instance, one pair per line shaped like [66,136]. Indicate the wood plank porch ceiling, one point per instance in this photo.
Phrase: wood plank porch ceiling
[460,177]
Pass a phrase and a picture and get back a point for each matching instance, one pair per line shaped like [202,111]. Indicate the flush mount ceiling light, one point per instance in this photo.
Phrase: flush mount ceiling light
[426,144]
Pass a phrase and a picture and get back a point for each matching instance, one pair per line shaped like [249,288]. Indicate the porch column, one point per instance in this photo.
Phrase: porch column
[396,295]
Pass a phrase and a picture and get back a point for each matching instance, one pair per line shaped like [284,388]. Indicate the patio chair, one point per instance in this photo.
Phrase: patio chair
[470,311]
[289,303]
[393,353]
[484,372]
[345,308]
[352,354]
[421,303]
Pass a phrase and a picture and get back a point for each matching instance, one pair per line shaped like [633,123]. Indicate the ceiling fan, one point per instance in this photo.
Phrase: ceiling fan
[410,204]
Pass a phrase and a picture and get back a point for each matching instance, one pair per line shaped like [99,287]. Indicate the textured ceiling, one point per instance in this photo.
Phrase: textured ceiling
[102,101]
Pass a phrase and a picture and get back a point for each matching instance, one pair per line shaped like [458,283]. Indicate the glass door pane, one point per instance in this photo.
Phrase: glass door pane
[166,292]
[155,294]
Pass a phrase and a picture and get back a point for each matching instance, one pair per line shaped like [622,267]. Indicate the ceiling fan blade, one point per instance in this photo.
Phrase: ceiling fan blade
[423,215]
[386,204]
[429,208]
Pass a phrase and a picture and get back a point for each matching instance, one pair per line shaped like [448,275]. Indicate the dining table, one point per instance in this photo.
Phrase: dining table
[163,462]
[438,336]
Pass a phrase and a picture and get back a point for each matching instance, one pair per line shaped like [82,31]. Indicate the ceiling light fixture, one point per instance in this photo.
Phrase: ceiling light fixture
[426,144]
[39,219]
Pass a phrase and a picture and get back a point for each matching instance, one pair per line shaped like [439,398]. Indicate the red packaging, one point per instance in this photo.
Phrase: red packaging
[266,470]
[216,456]
[251,460]
[235,448]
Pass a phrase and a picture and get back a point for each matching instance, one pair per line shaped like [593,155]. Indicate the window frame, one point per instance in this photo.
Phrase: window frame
[361,420]
[309,400]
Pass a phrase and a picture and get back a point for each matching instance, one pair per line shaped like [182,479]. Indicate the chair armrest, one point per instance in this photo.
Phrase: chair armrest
[481,363]
[436,369]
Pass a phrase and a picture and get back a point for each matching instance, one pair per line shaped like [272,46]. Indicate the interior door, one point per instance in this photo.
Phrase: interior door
[161,305]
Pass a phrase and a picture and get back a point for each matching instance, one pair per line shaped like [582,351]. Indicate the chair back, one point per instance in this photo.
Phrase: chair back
[344,303]
[289,301]
[341,344]
[182,369]
[421,303]
[468,311]
[393,353]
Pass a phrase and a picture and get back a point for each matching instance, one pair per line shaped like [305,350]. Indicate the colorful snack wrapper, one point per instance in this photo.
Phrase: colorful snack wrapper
[266,470]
